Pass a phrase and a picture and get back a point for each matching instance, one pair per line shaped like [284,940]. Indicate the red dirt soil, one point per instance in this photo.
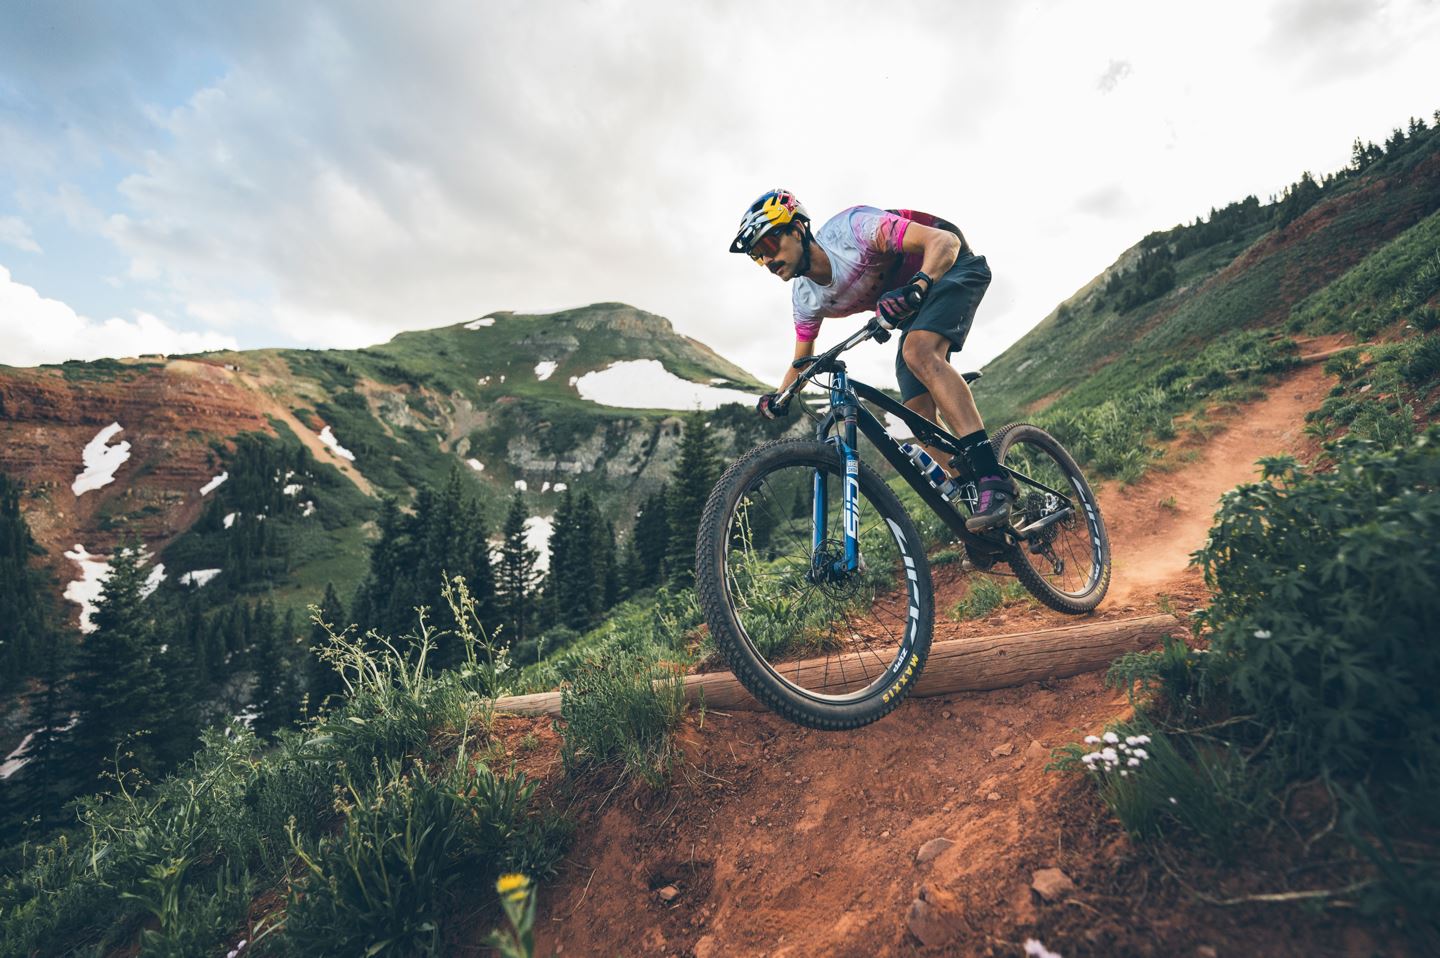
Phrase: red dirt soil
[783,841]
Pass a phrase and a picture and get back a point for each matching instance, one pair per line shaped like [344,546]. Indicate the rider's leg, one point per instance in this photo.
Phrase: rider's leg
[927,380]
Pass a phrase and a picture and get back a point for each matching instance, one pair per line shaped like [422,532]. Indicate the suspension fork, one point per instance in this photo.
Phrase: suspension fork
[843,407]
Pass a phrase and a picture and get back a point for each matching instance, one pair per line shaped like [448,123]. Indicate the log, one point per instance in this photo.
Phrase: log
[958,665]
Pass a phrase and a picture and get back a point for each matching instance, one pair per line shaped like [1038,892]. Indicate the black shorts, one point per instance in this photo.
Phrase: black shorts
[949,309]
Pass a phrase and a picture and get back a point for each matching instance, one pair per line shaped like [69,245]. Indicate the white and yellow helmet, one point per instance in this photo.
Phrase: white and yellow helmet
[775,208]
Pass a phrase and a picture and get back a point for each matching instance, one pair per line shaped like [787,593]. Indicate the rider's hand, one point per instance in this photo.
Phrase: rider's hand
[770,406]
[898,305]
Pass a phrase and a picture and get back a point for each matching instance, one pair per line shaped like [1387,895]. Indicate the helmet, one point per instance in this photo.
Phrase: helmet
[775,208]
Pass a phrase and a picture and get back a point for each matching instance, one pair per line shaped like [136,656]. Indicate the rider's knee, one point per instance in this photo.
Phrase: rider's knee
[923,357]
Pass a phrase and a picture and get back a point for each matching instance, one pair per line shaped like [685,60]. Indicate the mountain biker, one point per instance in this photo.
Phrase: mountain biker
[855,263]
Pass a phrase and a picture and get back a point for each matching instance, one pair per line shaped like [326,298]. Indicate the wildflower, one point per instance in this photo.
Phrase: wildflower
[1262,633]
[1111,738]
[1109,756]
[1132,740]
[513,887]
[1089,759]
[1092,740]
[1143,739]
[1172,800]
[1133,762]
[1034,949]
[1123,773]
[1141,753]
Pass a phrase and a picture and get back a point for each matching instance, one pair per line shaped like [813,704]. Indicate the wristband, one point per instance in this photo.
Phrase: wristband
[921,274]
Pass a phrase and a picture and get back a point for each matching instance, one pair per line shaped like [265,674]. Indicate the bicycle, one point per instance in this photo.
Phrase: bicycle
[814,580]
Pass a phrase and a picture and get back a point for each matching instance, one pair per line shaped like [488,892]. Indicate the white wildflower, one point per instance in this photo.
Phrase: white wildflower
[1141,753]
[1092,740]
[1109,755]
[1133,762]
[1262,633]
[1123,773]
[1143,739]
[1172,800]
[1034,949]
[1111,738]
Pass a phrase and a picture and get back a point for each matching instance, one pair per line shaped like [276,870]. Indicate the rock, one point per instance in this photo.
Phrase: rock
[705,947]
[1206,951]
[1036,754]
[931,849]
[993,797]
[1052,884]
[1000,750]
[947,714]
[935,916]
[668,893]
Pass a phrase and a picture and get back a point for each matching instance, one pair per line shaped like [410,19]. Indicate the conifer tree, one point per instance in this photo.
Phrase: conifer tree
[324,684]
[515,576]
[651,538]
[117,687]
[696,473]
[24,629]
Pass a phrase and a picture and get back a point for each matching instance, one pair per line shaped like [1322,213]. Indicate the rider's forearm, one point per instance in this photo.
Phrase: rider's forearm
[940,254]
[802,349]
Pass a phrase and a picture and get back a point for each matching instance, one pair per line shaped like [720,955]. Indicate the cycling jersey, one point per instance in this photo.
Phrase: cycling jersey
[864,245]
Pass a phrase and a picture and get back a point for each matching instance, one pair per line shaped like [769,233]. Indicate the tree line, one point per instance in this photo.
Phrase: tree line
[132,696]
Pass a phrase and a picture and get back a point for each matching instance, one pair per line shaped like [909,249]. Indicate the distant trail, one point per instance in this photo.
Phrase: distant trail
[1150,538]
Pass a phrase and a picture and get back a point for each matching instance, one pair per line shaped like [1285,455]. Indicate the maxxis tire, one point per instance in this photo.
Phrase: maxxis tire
[1019,559]
[751,669]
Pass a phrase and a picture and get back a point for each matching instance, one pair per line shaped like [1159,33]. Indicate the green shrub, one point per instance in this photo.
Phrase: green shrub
[985,596]
[1323,584]
[1422,367]
[380,886]
[622,707]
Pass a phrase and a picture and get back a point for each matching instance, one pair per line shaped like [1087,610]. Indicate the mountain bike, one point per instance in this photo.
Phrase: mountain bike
[814,580]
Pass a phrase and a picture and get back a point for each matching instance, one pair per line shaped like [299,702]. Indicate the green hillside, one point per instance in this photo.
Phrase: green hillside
[1194,309]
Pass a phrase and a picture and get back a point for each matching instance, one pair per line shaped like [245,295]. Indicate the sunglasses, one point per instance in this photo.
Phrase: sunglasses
[767,245]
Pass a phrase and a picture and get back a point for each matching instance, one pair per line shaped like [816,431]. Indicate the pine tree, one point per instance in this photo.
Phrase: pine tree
[117,688]
[24,626]
[515,577]
[651,539]
[696,473]
[324,684]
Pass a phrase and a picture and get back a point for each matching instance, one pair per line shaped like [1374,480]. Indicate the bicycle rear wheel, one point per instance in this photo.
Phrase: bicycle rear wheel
[1066,565]
[820,646]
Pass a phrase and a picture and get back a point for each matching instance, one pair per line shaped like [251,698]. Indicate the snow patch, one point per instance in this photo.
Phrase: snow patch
[544,369]
[214,484]
[86,589]
[561,487]
[478,323]
[293,489]
[537,537]
[101,460]
[16,759]
[328,438]
[475,464]
[153,580]
[199,577]
[309,509]
[647,384]
[545,487]
[230,519]
[520,484]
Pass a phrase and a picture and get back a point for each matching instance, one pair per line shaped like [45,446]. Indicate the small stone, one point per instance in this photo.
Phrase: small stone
[1035,754]
[885,834]
[754,820]
[1004,749]
[1206,951]
[935,917]
[705,947]
[993,797]
[947,714]
[668,893]
[1052,884]
[931,849]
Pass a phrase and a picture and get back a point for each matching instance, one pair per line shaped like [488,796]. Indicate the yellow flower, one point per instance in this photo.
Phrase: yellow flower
[513,887]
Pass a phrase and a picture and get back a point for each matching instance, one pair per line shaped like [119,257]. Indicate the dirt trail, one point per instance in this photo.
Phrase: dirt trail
[782,841]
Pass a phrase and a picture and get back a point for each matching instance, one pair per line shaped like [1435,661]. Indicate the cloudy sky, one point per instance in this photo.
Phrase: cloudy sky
[178,176]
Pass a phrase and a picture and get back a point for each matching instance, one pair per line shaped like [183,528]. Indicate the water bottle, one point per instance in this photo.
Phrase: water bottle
[931,469]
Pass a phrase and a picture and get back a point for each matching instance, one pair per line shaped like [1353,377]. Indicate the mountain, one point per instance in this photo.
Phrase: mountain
[118,449]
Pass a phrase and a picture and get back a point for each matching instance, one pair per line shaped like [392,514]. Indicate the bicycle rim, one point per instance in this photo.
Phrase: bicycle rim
[826,636]
[1070,557]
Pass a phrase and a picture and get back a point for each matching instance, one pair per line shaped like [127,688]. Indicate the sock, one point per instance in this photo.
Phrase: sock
[981,454]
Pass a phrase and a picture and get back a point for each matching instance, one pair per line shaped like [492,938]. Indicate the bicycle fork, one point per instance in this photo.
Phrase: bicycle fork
[825,567]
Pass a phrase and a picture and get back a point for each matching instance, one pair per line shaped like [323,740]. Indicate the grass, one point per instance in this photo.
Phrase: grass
[986,596]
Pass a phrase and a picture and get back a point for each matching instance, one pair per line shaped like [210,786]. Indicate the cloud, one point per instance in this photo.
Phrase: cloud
[14,232]
[1114,73]
[37,330]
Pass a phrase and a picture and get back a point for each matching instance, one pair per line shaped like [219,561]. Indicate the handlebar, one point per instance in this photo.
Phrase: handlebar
[815,365]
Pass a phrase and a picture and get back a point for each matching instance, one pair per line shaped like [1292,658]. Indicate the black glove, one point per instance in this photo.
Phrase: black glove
[771,407]
[898,305]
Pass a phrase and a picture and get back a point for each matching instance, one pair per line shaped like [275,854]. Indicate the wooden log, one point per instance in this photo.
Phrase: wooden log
[958,665]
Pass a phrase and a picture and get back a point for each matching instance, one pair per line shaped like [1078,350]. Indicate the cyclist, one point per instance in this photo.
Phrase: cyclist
[855,263]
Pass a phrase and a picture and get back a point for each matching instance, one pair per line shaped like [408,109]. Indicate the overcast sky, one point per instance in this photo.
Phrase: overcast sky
[178,176]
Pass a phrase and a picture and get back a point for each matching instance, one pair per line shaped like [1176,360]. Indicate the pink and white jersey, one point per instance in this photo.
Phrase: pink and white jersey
[864,245]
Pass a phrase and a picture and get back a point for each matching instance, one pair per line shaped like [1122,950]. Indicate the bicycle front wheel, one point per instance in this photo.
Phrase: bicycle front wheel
[822,645]
[1066,564]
